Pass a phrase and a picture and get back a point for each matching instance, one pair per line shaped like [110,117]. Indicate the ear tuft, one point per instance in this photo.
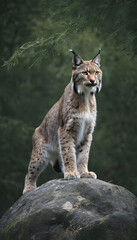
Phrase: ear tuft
[71,50]
[99,50]
[77,60]
[97,58]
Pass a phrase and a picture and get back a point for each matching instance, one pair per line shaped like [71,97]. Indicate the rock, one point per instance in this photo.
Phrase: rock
[76,209]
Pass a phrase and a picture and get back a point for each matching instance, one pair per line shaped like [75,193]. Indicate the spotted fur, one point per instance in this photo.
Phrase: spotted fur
[65,135]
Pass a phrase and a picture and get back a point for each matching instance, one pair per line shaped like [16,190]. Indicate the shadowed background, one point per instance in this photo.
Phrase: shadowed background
[34,43]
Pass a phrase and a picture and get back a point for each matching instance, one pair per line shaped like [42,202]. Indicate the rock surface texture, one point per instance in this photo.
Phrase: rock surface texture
[76,209]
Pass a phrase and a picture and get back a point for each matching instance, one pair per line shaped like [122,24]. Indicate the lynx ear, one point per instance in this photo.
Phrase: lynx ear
[77,60]
[97,58]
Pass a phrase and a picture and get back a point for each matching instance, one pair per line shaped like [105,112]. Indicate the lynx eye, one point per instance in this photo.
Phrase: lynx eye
[97,72]
[85,72]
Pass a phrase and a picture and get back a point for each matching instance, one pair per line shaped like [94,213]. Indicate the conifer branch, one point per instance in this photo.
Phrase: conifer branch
[37,50]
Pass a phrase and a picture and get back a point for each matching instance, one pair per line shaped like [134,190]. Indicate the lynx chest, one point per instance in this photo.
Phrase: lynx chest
[81,124]
[86,124]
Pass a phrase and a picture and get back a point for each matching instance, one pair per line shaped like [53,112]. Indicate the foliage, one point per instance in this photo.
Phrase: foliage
[76,17]
[37,34]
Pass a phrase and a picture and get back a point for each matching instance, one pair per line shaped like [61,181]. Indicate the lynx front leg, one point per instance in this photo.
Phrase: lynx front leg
[68,154]
[38,161]
[82,158]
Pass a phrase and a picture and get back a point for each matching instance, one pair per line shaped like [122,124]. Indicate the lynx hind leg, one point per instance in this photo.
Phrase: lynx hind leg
[38,161]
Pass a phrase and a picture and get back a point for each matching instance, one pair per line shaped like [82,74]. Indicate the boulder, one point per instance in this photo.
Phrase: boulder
[76,209]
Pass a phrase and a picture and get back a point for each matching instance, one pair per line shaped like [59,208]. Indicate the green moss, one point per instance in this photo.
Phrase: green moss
[16,229]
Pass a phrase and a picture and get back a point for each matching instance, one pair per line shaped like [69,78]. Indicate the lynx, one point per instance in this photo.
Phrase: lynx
[65,135]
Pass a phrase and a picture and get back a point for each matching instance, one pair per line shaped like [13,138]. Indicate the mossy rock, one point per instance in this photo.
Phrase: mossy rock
[75,209]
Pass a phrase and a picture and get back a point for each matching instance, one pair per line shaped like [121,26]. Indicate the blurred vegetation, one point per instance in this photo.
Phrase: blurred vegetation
[35,37]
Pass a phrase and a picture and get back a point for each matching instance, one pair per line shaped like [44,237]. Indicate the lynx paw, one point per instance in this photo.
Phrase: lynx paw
[28,188]
[88,175]
[71,175]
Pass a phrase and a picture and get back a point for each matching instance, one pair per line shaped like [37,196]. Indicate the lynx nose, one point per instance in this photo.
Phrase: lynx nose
[93,82]
[92,79]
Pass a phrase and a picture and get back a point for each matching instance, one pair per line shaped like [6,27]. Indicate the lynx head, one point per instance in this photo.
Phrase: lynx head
[86,75]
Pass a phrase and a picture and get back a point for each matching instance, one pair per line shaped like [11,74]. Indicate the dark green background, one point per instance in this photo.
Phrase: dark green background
[35,75]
